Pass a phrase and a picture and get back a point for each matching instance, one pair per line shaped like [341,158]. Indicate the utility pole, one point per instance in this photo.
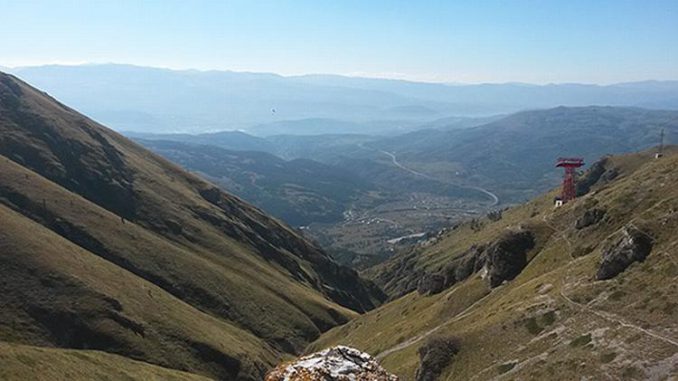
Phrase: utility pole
[660,151]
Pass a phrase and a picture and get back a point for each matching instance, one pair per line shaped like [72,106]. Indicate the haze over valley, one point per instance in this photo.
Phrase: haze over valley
[332,191]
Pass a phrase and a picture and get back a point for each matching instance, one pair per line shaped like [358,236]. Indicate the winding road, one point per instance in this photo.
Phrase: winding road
[394,160]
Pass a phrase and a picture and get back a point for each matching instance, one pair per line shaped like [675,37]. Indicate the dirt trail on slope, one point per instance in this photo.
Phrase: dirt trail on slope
[418,338]
[605,315]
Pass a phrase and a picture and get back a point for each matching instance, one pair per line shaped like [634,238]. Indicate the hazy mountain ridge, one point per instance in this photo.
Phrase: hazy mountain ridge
[230,140]
[133,98]
[514,156]
[299,191]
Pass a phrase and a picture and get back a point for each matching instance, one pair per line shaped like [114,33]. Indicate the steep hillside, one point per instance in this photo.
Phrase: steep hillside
[22,362]
[106,246]
[299,191]
[585,290]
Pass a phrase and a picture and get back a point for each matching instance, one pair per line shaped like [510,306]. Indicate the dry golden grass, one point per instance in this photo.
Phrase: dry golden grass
[23,362]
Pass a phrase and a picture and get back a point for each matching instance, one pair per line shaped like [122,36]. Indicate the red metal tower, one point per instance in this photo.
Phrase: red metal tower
[570,164]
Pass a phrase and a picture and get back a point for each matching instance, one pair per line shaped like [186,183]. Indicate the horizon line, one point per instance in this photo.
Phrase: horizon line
[399,77]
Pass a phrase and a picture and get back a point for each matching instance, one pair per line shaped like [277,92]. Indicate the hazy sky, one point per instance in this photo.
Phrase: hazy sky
[538,41]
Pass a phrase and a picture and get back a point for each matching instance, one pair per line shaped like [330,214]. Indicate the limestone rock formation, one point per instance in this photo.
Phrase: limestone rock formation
[590,217]
[633,246]
[338,363]
[507,257]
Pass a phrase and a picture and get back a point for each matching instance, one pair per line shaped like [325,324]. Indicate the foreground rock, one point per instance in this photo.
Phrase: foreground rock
[633,246]
[338,363]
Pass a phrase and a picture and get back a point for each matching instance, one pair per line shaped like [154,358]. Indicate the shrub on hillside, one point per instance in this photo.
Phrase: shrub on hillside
[495,215]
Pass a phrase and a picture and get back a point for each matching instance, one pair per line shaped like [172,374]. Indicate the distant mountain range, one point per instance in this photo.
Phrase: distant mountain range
[514,156]
[142,99]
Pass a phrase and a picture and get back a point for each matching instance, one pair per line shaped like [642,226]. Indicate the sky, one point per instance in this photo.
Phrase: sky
[474,41]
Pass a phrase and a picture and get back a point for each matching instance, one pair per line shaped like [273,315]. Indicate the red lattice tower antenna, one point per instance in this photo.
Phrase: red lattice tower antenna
[570,164]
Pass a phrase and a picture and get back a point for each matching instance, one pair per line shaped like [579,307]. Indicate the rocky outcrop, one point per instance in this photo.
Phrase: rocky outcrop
[590,217]
[431,284]
[502,260]
[456,271]
[434,356]
[598,173]
[468,263]
[338,363]
[633,246]
[507,257]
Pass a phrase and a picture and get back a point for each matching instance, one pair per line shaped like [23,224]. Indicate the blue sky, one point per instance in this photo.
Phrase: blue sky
[593,41]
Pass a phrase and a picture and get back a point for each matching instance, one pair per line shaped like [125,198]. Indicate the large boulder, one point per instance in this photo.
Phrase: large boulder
[633,246]
[507,257]
[338,363]
[590,217]
[434,356]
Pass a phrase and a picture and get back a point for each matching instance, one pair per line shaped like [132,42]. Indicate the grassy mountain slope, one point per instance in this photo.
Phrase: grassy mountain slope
[119,226]
[554,320]
[23,362]
[299,191]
